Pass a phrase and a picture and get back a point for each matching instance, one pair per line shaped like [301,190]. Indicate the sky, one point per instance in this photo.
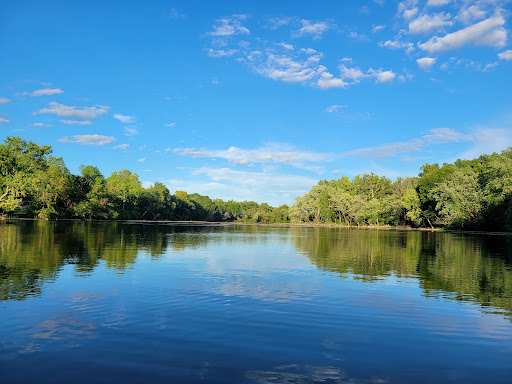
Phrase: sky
[252,100]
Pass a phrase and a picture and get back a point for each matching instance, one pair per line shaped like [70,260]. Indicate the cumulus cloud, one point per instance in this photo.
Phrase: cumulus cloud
[377,28]
[270,153]
[44,92]
[381,76]
[427,23]
[76,122]
[4,100]
[121,146]
[3,120]
[97,140]
[84,113]
[315,30]
[327,80]
[507,55]
[489,32]
[229,26]
[353,74]
[426,63]
[124,118]
[468,15]
[41,125]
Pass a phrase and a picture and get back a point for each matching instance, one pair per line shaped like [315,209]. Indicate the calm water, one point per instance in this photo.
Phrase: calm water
[111,302]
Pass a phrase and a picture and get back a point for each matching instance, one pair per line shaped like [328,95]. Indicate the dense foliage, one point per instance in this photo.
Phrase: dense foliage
[469,194]
[33,183]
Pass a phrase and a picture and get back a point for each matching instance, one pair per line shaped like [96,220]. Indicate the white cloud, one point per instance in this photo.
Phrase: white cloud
[221,52]
[130,131]
[226,183]
[97,140]
[44,92]
[382,76]
[397,44]
[468,15]
[426,63]
[76,122]
[41,125]
[84,113]
[121,146]
[271,153]
[353,74]
[377,28]
[507,55]
[428,23]
[170,125]
[489,32]
[327,80]
[142,160]
[334,108]
[434,137]
[308,51]
[277,22]
[286,46]
[314,30]
[124,118]
[229,26]
[288,69]
[409,13]
[437,3]
[4,100]
[3,120]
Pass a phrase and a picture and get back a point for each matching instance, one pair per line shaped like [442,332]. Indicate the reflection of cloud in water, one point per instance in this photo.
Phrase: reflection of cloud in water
[304,374]
[262,289]
[68,328]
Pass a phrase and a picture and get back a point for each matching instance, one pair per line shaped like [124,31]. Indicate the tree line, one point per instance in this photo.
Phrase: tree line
[468,194]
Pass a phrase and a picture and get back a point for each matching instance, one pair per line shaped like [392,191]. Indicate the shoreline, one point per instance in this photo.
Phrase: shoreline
[294,225]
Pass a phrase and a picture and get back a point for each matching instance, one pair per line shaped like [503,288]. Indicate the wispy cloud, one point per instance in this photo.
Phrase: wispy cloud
[377,28]
[44,92]
[141,160]
[121,146]
[125,119]
[41,125]
[229,26]
[270,153]
[334,108]
[269,187]
[130,131]
[170,125]
[76,122]
[3,120]
[435,136]
[4,100]
[97,140]
[309,28]
[84,113]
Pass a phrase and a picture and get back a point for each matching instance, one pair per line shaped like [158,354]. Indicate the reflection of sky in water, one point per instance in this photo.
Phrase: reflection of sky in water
[230,307]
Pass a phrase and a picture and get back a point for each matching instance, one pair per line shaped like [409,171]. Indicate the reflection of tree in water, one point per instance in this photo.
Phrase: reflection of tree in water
[32,252]
[467,267]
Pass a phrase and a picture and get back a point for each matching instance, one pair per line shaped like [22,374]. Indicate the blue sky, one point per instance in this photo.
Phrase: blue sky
[257,100]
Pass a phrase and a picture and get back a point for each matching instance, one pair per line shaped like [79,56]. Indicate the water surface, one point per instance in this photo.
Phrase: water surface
[112,302]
